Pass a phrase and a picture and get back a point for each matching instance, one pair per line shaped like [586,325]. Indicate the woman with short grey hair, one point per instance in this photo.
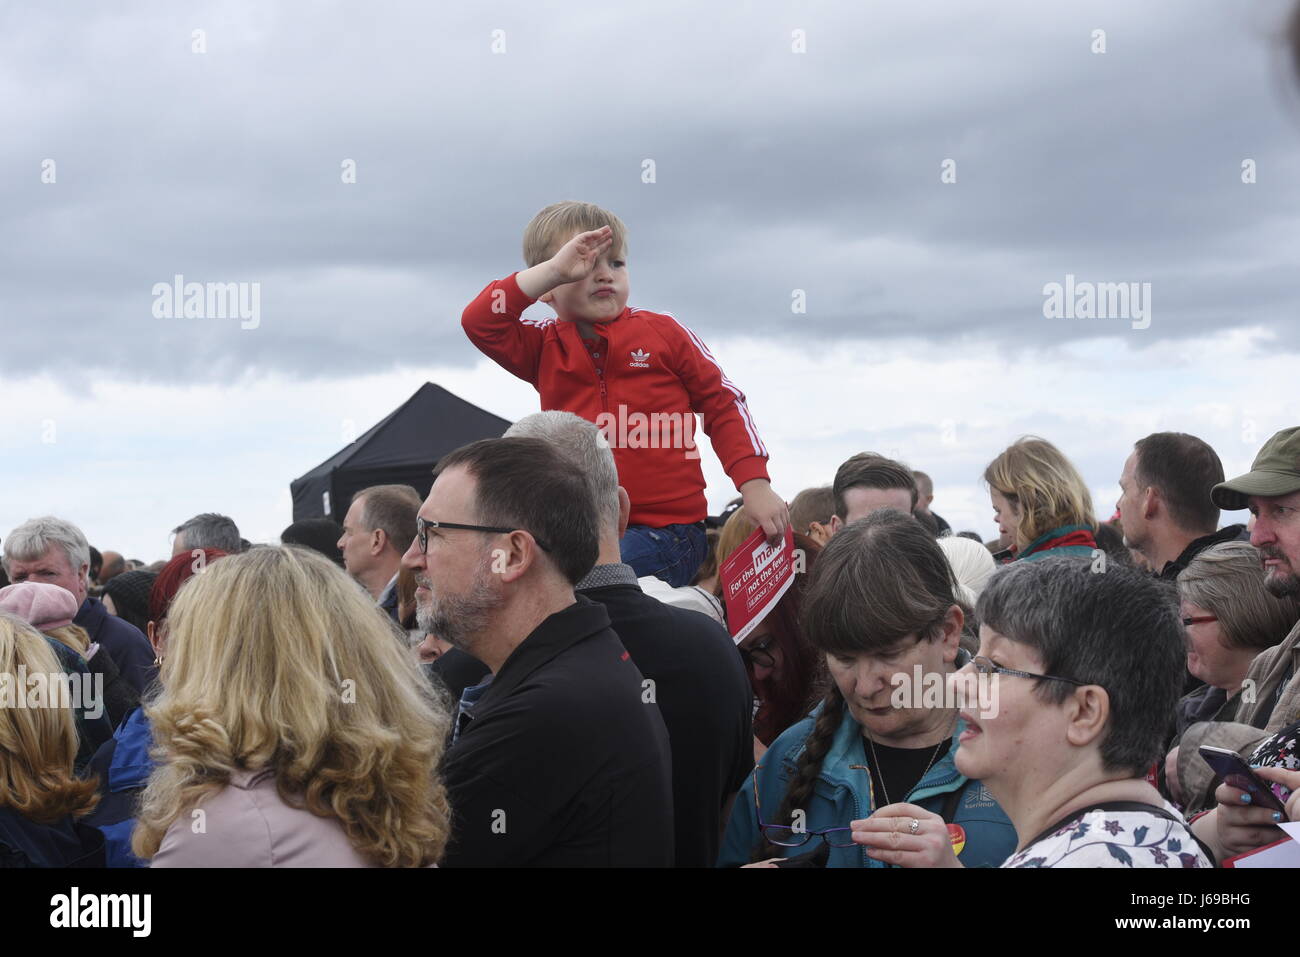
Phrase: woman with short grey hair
[1076,675]
[1229,617]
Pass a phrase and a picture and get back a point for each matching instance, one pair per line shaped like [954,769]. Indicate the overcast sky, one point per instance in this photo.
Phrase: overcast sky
[129,158]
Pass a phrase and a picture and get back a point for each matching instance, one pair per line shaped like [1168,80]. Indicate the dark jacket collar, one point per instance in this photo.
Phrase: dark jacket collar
[91,616]
[1229,533]
[555,635]
[602,576]
[60,844]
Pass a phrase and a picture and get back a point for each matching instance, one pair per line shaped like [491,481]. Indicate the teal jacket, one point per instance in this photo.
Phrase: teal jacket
[1068,541]
[841,795]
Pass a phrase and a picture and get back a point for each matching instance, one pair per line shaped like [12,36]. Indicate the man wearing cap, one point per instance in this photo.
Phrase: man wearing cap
[1271,692]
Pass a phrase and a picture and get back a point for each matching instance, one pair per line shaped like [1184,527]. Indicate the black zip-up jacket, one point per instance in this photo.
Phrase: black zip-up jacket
[1229,533]
[563,764]
[704,694]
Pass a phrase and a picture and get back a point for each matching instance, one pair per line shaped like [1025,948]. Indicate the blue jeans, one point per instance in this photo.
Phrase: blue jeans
[673,553]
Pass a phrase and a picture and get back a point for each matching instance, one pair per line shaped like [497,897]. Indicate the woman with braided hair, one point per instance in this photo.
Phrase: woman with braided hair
[881,609]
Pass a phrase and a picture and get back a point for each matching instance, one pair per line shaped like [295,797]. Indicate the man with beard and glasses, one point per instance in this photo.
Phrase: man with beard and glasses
[690,663]
[563,759]
[1270,698]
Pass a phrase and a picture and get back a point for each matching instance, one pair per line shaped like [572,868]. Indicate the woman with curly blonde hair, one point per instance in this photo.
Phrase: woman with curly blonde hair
[1040,502]
[40,798]
[293,728]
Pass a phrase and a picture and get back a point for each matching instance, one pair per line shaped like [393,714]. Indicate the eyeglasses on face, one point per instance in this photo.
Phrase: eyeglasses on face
[986,667]
[759,654]
[1199,619]
[422,526]
[784,836]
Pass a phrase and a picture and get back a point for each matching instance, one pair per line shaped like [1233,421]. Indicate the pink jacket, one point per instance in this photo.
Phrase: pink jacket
[246,824]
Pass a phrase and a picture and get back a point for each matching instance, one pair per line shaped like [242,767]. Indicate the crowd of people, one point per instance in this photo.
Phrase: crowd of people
[480,679]
[536,664]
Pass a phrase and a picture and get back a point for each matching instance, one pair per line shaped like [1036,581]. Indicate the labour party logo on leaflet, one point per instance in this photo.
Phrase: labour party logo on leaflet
[754,577]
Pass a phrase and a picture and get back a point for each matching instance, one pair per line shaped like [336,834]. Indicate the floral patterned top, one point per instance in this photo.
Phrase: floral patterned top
[1282,750]
[1124,837]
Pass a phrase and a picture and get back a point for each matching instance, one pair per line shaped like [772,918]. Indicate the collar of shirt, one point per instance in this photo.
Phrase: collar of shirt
[1228,533]
[551,638]
[602,576]
[465,709]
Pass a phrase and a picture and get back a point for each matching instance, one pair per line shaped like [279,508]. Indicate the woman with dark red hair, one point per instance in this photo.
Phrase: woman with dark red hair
[123,763]
[783,667]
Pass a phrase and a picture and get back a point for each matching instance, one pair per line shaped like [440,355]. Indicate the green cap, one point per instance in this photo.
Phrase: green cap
[1275,471]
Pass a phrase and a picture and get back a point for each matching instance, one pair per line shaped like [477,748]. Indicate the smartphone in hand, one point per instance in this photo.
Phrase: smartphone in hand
[1234,770]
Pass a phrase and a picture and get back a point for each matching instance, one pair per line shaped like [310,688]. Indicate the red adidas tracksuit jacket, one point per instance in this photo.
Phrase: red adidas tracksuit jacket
[646,363]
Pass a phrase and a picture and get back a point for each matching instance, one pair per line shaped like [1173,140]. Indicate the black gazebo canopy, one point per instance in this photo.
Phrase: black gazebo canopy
[401,449]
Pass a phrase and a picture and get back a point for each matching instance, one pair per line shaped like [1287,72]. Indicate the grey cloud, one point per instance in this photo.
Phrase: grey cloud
[775,171]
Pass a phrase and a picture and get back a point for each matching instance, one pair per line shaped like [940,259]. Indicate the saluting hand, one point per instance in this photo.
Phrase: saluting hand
[577,258]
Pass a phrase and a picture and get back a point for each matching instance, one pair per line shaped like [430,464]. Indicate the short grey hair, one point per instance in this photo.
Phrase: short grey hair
[1119,629]
[1225,581]
[210,530]
[30,540]
[583,444]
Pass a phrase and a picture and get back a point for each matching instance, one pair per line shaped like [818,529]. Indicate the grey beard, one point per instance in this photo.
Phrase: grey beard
[459,619]
[424,618]
[1283,586]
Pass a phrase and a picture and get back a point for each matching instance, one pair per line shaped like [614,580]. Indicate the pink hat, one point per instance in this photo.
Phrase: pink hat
[43,606]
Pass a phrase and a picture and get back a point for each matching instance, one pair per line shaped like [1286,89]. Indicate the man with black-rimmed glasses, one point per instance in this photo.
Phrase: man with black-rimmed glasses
[561,762]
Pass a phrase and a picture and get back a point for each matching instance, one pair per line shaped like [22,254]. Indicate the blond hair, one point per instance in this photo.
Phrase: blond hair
[1035,477]
[71,636]
[558,223]
[38,745]
[276,659]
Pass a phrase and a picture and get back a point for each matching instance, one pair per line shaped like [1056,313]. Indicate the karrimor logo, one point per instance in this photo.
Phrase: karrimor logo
[1098,300]
[640,359]
[208,300]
